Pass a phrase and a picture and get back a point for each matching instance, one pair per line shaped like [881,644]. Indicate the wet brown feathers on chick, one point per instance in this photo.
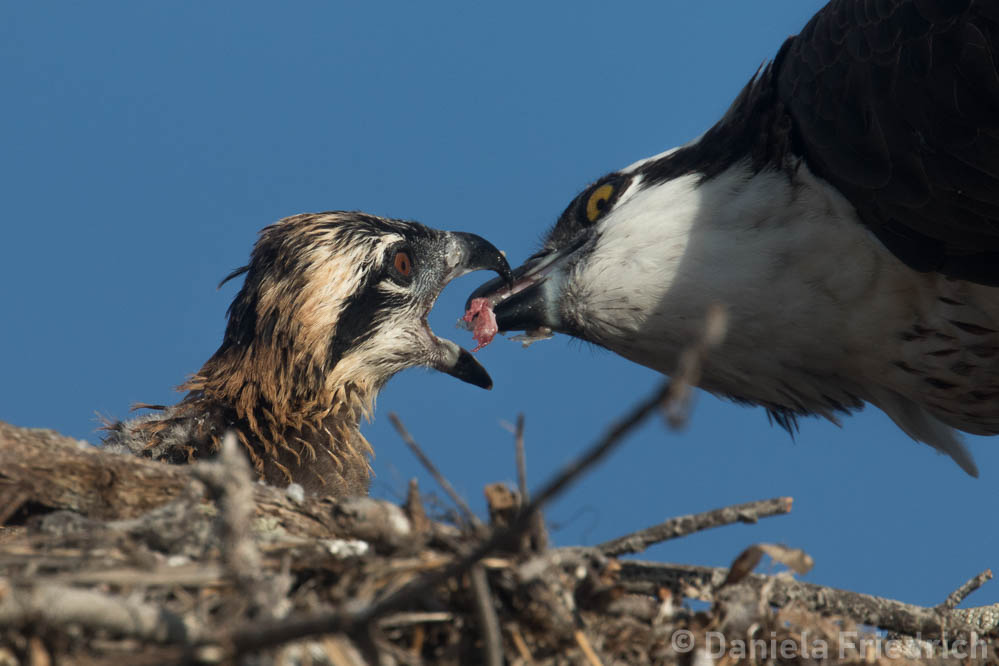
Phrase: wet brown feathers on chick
[332,306]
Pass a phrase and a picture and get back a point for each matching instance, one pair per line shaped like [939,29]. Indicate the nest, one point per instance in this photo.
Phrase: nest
[112,559]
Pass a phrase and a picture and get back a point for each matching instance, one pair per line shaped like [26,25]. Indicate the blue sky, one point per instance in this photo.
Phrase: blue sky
[145,144]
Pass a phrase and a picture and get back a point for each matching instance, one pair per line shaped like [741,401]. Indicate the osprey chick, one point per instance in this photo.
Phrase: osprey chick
[332,306]
[844,212]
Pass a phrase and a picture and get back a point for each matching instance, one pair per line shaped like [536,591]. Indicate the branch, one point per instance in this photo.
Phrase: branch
[539,535]
[674,528]
[230,479]
[597,451]
[699,582]
[57,472]
[466,511]
[492,643]
[959,595]
[518,438]
[58,605]
[690,363]
[584,646]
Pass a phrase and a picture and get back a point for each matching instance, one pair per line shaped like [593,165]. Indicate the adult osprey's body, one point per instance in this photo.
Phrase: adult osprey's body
[844,212]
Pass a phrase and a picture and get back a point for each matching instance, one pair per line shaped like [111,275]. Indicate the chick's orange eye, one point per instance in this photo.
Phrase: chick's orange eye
[403,264]
[596,205]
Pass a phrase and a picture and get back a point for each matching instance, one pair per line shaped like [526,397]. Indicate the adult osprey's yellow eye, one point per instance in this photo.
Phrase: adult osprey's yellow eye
[596,205]
[403,264]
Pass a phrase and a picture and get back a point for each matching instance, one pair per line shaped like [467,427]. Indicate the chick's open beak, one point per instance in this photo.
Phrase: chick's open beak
[460,364]
[476,253]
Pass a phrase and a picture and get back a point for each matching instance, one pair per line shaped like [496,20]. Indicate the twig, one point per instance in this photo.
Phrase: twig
[520,644]
[415,511]
[11,499]
[688,372]
[414,618]
[44,604]
[341,652]
[521,460]
[492,643]
[255,636]
[60,474]
[539,535]
[959,595]
[699,582]
[230,479]
[674,528]
[466,511]
[597,451]
[419,638]
[200,575]
[584,644]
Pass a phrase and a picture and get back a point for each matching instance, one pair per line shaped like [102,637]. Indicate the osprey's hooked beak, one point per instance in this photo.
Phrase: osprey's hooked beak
[471,253]
[530,301]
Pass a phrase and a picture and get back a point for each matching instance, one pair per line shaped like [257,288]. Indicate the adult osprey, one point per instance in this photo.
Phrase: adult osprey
[332,306]
[844,212]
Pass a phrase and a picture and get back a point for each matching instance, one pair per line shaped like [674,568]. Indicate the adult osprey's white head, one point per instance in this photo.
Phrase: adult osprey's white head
[845,214]
[333,304]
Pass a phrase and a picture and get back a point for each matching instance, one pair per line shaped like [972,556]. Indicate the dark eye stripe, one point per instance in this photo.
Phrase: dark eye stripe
[356,321]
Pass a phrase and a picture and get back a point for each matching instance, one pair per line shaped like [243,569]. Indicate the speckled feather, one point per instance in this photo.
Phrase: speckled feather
[321,322]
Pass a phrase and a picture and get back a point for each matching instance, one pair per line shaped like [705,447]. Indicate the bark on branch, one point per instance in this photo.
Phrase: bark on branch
[42,468]
[674,528]
[700,582]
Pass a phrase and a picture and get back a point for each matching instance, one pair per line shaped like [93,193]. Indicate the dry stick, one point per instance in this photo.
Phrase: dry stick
[415,511]
[584,645]
[255,636]
[415,618]
[10,501]
[959,595]
[45,604]
[200,575]
[691,360]
[230,478]
[492,643]
[521,459]
[594,454]
[698,582]
[674,528]
[521,645]
[434,472]
[539,537]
